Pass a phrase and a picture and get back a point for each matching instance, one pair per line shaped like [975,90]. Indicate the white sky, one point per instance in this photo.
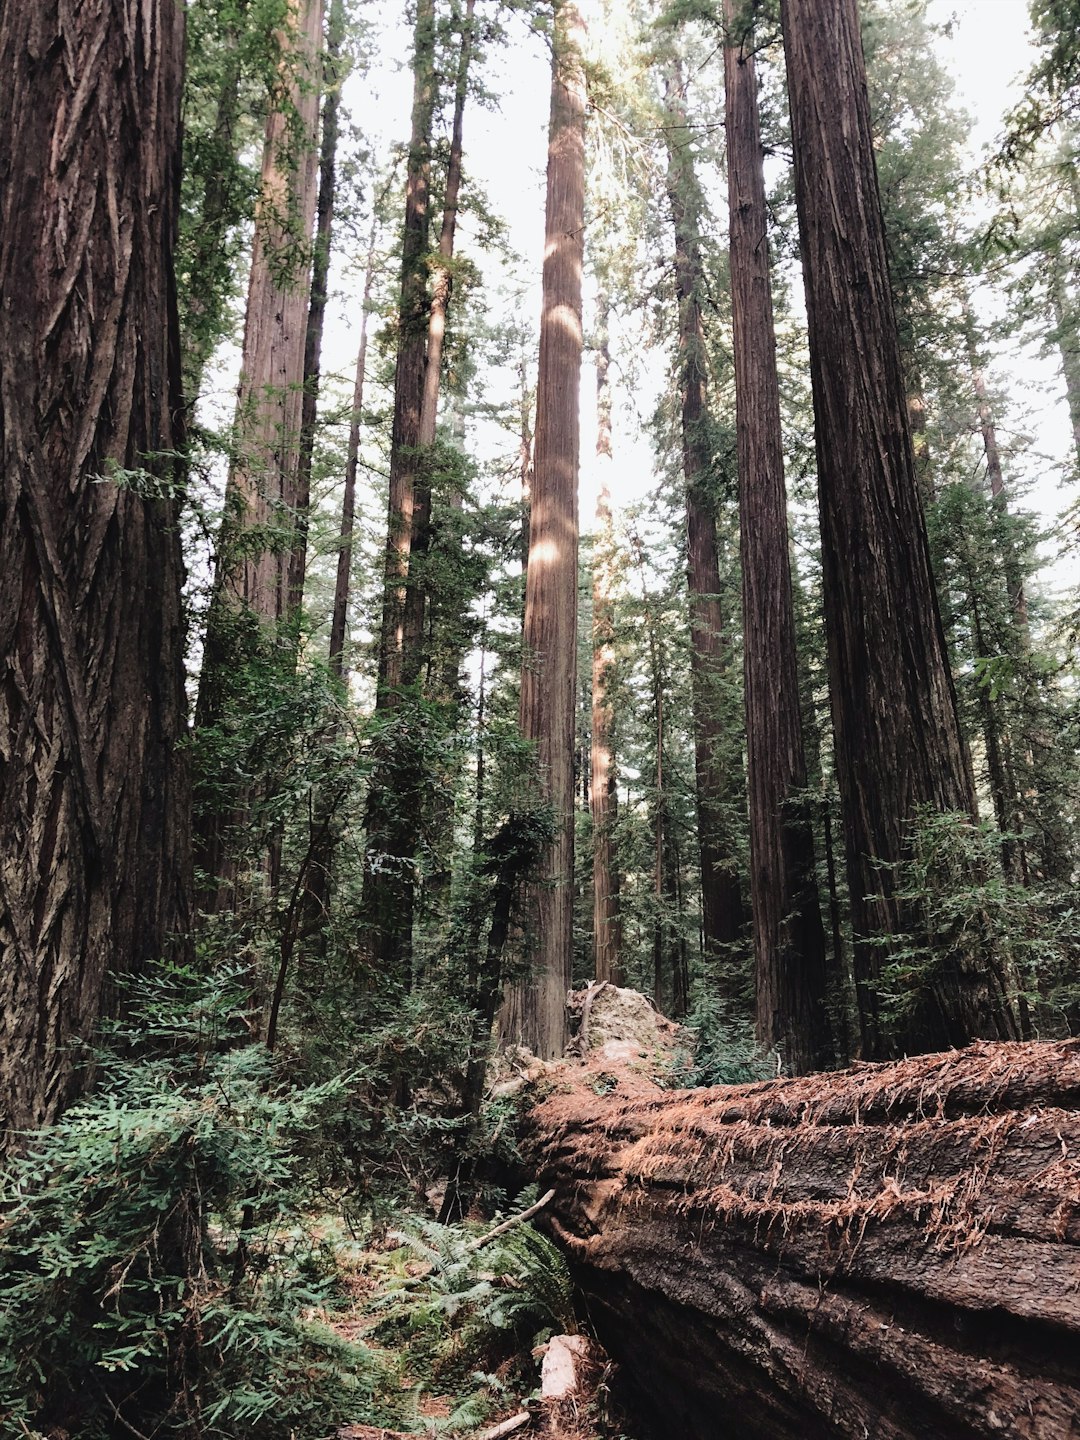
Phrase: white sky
[987,53]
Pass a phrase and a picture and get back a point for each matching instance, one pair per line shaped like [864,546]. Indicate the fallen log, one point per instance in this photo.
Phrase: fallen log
[890,1252]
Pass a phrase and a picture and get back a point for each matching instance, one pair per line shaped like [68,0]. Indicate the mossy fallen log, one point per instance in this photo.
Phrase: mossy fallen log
[891,1252]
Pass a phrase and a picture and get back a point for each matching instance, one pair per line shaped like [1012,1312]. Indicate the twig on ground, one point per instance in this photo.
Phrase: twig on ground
[505,1225]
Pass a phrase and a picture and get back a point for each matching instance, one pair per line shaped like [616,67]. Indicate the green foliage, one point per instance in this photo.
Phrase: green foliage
[473,1307]
[154,1277]
[954,883]
[725,1050]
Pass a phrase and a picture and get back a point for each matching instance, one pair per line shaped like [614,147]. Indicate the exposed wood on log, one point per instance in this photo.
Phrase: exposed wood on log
[891,1251]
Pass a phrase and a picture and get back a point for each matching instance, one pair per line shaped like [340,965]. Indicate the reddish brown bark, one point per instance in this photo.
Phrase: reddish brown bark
[262,488]
[890,1251]
[549,668]
[603,772]
[710,658]
[258,533]
[789,939]
[898,745]
[94,803]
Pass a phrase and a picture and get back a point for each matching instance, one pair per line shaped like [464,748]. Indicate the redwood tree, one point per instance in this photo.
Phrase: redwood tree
[393,796]
[898,746]
[603,771]
[789,940]
[93,793]
[549,668]
[258,534]
[721,899]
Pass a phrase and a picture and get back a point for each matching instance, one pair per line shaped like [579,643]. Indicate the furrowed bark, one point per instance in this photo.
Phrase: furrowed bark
[94,799]
[549,667]
[789,939]
[890,1251]
[898,744]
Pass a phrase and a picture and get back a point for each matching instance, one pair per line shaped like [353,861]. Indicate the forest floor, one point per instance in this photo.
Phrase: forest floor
[473,1325]
[433,1310]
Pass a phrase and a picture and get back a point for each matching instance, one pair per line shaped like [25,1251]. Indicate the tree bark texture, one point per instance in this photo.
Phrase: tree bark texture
[789,939]
[892,1251]
[603,771]
[549,666]
[710,659]
[94,801]
[258,532]
[898,744]
[262,490]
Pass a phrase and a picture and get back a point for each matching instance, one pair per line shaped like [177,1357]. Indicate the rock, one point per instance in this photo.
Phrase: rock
[560,1374]
[624,1027]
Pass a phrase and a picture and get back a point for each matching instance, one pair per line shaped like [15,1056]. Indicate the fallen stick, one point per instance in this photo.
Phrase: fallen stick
[505,1225]
[506,1427]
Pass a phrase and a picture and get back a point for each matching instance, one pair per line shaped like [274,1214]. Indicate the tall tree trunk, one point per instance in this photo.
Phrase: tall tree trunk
[789,940]
[320,284]
[94,801]
[549,662]
[899,747]
[411,360]
[251,582]
[604,792]
[342,584]
[389,861]
[721,899]
[417,595]
[1010,561]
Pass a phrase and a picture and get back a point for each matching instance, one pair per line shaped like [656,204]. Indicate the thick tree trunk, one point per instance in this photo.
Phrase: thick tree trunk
[251,582]
[898,744]
[603,772]
[549,665]
[710,659]
[94,801]
[893,1251]
[789,939]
